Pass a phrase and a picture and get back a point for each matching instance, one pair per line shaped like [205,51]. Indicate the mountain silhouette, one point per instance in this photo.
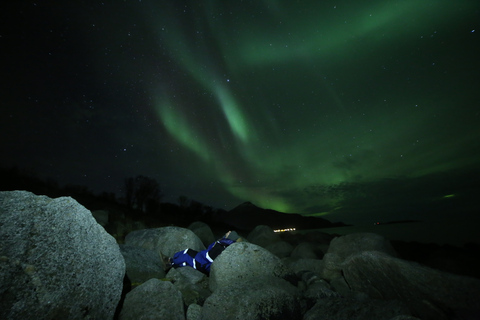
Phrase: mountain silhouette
[247,216]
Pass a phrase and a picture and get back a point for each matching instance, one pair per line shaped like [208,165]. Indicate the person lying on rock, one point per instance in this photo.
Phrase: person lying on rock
[202,260]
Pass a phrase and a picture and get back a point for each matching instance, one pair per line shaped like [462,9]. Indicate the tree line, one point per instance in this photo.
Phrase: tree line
[142,196]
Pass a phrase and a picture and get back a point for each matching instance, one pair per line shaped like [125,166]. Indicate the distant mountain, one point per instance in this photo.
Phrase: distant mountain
[247,216]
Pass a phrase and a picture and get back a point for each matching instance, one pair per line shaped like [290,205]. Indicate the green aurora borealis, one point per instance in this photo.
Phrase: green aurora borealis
[353,109]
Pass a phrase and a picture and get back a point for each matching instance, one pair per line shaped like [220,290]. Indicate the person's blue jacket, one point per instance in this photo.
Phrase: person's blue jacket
[201,260]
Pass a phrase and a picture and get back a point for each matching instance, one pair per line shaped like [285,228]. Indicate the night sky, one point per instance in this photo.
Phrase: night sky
[355,110]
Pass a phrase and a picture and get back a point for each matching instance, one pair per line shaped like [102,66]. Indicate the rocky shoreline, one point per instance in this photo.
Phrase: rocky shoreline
[56,261]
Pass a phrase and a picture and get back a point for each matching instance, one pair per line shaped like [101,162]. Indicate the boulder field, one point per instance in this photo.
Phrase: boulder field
[57,262]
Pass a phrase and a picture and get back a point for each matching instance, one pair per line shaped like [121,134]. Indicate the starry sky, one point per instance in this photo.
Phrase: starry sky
[350,110]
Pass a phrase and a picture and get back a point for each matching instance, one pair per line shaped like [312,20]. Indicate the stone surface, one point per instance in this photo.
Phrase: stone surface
[154,299]
[142,264]
[192,283]
[263,236]
[342,247]
[319,290]
[298,265]
[347,245]
[404,317]
[281,249]
[260,298]
[203,231]
[194,312]
[305,250]
[332,266]
[336,308]
[430,294]
[56,261]
[243,261]
[165,240]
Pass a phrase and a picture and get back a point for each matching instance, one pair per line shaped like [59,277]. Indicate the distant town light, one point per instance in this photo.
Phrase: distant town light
[284,230]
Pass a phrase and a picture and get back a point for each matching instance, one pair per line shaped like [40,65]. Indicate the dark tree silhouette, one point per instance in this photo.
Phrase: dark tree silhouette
[142,193]
[183,202]
[195,207]
[130,192]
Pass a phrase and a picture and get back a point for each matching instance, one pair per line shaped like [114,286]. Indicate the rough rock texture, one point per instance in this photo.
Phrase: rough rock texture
[192,283]
[346,308]
[154,299]
[263,298]
[298,265]
[430,294]
[347,245]
[56,261]
[319,290]
[281,249]
[263,236]
[243,261]
[306,250]
[203,231]
[332,266]
[342,247]
[142,264]
[316,288]
[166,240]
[341,286]
[194,312]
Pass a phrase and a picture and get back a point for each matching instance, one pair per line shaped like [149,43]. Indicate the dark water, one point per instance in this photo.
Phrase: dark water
[452,232]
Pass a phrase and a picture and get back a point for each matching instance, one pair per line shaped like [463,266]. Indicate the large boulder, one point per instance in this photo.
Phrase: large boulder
[165,240]
[56,261]
[142,264]
[260,298]
[319,290]
[332,266]
[281,249]
[343,247]
[430,294]
[203,231]
[192,283]
[306,250]
[243,261]
[299,265]
[347,245]
[315,287]
[341,308]
[154,299]
[194,312]
[263,236]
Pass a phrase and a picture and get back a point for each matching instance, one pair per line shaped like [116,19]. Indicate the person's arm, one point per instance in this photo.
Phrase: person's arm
[224,241]
[219,240]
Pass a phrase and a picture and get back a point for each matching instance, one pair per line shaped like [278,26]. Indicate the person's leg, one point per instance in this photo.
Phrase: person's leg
[184,258]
